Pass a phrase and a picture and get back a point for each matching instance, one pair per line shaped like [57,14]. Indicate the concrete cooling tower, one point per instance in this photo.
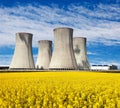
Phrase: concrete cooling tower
[44,54]
[63,55]
[23,57]
[79,46]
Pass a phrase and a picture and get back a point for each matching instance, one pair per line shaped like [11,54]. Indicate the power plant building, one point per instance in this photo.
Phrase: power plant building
[44,54]
[63,55]
[23,57]
[79,46]
[103,67]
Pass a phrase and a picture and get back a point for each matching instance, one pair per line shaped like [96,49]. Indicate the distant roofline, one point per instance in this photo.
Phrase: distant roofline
[4,65]
[103,65]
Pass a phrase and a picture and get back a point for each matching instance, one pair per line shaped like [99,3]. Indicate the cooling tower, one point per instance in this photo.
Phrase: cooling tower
[63,55]
[23,57]
[79,46]
[44,54]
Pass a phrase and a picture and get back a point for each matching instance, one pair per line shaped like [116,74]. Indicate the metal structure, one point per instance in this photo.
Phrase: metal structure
[44,54]
[23,57]
[79,46]
[63,55]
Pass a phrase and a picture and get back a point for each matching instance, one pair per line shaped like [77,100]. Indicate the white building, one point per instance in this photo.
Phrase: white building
[103,67]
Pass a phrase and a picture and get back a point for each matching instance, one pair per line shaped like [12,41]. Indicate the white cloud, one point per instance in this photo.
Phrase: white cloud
[91,53]
[99,11]
[41,20]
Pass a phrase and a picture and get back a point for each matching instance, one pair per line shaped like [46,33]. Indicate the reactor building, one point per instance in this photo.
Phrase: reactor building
[63,54]
[23,57]
[44,54]
[79,46]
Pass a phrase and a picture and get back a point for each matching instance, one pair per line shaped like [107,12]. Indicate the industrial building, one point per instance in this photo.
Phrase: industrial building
[2,67]
[63,54]
[44,54]
[79,46]
[103,67]
[23,57]
[68,54]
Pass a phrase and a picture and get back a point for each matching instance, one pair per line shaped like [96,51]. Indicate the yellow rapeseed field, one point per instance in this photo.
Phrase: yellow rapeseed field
[59,90]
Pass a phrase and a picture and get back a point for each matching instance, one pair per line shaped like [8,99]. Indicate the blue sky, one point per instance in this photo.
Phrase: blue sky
[98,21]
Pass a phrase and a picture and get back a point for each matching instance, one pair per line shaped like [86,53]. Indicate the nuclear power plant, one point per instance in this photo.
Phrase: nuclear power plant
[67,53]
[79,46]
[23,57]
[44,54]
[63,54]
